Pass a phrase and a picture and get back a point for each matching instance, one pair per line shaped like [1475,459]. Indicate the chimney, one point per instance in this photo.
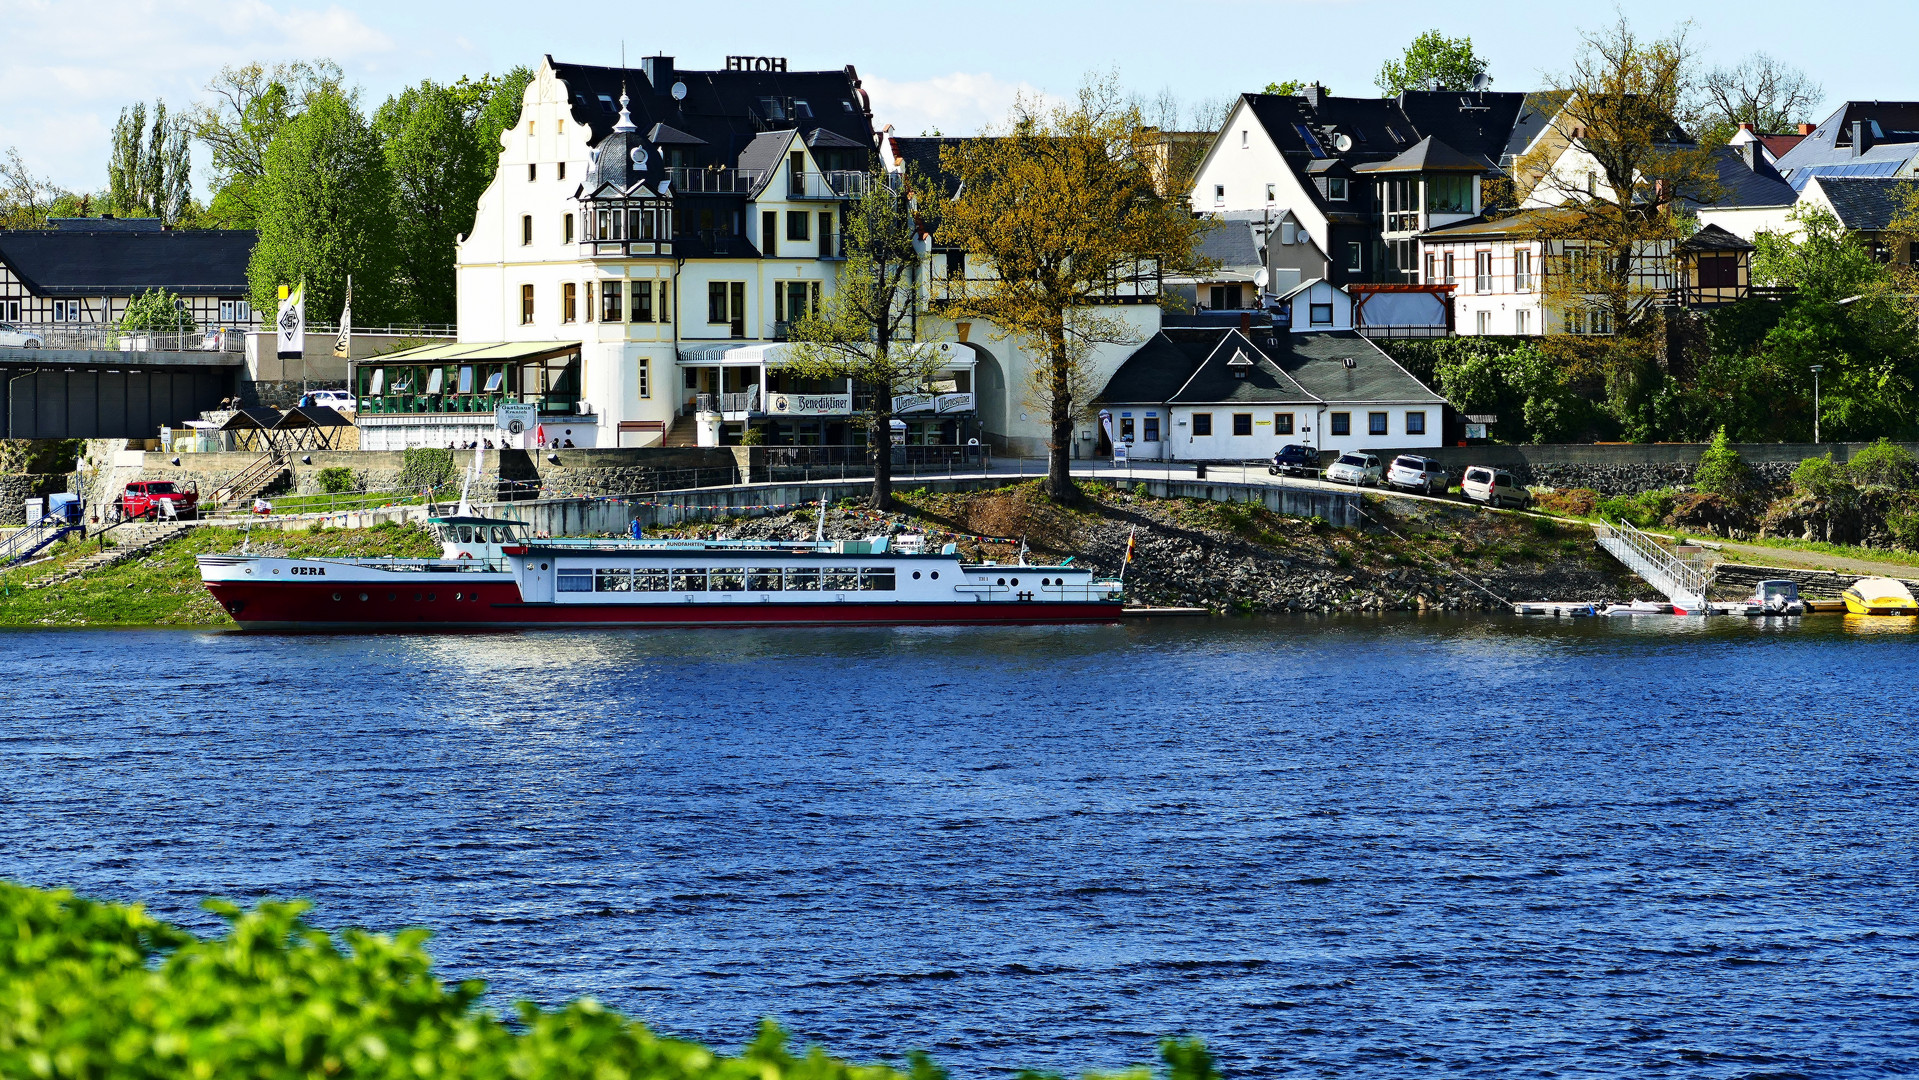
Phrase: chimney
[1246,322]
[1311,94]
[1861,139]
[659,72]
[1749,129]
[1749,153]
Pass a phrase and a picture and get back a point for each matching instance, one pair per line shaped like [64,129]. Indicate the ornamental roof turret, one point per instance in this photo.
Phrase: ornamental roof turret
[623,164]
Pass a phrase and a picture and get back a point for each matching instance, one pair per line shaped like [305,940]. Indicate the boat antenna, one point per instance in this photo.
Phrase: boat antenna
[465,509]
[1022,551]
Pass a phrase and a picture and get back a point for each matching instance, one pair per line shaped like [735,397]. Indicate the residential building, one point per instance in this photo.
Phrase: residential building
[648,240]
[84,271]
[1753,196]
[1499,269]
[1860,138]
[1774,144]
[1297,157]
[1234,251]
[1241,393]
[1867,206]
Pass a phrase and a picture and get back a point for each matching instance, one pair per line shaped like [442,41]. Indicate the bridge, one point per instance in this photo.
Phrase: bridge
[1682,583]
[100,394]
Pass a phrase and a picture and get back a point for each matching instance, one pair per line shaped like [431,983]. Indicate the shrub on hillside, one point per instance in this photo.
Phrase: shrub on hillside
[1573,502]
[104,990]
[1722,471]
[1821,478]
[1646,509]
[335,480]
[1882,466]
[1708,512]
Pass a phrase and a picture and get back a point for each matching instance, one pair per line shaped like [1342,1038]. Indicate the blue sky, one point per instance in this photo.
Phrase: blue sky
[71,64]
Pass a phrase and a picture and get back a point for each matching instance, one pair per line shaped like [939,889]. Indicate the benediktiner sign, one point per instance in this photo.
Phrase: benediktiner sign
[292,323]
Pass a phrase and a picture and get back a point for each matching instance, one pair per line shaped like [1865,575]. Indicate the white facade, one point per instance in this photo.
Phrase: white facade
[1244,171]
[1497,283]
[1319,306]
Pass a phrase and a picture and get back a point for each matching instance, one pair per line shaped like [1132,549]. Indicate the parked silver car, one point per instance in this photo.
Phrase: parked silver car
[12,337]
[1409,472]
[1354,467]
[1494,487]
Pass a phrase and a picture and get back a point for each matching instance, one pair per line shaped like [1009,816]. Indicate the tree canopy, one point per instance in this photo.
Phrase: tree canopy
[1432,61]
[439,168]
[248,106]
[326,202]
[1769,94]
[149,172]
[1062,209]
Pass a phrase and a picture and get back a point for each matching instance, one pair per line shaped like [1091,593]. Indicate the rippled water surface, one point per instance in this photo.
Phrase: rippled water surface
[1353,848]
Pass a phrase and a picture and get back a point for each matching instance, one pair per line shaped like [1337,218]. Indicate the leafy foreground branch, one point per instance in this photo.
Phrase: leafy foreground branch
[100,990]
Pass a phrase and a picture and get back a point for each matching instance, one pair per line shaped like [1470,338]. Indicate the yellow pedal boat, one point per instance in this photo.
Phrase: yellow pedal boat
[1880,596]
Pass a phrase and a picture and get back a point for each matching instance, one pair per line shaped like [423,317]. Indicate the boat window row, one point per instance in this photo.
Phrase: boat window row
[728,579]
[478,534]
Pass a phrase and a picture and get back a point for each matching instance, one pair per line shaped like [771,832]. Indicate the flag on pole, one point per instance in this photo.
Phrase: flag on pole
[1131,536]
[292,323]
[343,345]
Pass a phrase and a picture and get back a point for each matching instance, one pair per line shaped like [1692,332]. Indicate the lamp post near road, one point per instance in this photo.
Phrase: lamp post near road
[1816,369]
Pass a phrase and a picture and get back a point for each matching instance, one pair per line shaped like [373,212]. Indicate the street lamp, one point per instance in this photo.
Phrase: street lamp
[1816,369]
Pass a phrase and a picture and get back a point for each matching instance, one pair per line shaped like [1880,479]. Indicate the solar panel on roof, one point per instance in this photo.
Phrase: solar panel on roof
[1312,141]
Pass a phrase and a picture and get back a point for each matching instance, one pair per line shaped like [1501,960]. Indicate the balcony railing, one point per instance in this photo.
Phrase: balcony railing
[687,181]
[626,248]
[456,404]
[832,184]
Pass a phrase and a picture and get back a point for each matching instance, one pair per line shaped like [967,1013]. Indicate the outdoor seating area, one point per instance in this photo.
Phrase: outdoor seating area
[469,379]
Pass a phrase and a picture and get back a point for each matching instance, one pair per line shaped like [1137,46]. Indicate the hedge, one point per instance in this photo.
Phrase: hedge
[101,990]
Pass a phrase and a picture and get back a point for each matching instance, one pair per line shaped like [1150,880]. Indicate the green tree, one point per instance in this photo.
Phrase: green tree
[26,199]
[1722,471]
[498,101]
[157,310]
[1432,58]
[247,107]
[864,331]
[1291,87]
[1883,466]
[1062,210]
[439,169]
[326,210]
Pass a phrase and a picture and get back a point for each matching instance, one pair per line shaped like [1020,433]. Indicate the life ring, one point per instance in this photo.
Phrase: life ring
[466,554]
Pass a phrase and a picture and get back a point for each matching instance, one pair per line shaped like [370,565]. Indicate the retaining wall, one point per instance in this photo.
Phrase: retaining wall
[1620,469]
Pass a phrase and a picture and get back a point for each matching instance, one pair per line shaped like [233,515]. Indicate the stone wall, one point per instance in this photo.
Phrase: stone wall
[1628,469]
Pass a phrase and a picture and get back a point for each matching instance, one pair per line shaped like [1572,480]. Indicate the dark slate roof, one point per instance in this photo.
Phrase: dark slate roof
[1714,238]
[1749,182]
[1305,129]
[1867,203]
[667,135]
[1317,362]
[765,151]
[1238,371]
[191,262]
[1535,115]
[922,156]
[1232,245]
[621,162]
[108,224]
[1157,369]
[725,110]
[1428,155]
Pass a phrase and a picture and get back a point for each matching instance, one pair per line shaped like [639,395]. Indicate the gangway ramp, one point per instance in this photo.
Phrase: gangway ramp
[1681,582]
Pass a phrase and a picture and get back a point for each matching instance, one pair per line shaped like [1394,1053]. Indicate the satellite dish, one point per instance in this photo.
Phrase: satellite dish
[1342,142]
[1481,81]
[1260,278]
[679,91]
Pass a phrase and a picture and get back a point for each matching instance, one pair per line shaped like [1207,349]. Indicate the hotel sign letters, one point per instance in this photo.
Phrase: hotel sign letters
[756,63]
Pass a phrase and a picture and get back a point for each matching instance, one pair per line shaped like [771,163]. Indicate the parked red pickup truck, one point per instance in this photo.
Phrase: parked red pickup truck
[142,499]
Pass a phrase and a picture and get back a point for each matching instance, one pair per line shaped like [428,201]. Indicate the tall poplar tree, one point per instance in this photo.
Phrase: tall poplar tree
[149,171]
[326,210]
[1062,211]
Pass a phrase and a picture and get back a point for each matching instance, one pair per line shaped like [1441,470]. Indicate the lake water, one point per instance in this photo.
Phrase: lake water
[1370,848]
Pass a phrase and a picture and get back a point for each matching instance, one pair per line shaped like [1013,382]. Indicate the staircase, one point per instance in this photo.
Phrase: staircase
[142,539]
[1681,583]
[252,480]
[31,540]
[684,432]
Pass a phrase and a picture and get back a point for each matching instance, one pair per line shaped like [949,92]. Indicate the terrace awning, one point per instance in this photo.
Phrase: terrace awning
[252,419]
[475,352]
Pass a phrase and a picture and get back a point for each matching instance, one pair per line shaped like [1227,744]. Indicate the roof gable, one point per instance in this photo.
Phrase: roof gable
[1238,371]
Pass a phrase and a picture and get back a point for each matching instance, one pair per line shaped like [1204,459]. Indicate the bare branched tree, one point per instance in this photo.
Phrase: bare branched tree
[25,198]
[1762,91]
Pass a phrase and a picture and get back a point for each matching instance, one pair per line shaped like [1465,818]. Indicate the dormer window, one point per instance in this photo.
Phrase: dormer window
[1336,188]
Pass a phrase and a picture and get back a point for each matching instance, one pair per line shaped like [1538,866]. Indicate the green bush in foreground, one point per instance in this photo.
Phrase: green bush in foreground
[96,990]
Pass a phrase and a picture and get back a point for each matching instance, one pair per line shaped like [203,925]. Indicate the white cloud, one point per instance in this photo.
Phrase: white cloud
[956,104]
[71,67]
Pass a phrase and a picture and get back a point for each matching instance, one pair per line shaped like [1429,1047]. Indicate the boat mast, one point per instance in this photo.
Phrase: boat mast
[465,509]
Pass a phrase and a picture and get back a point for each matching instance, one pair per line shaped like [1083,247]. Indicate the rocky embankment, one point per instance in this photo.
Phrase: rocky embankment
[1417,556]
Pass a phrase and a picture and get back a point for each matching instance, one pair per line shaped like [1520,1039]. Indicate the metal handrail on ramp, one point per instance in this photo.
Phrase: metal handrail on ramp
[1685,585]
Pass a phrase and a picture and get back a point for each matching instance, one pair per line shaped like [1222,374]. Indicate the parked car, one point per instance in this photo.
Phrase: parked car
[154,499]
[1294,460]
[1494,487]
[338,400]
[1409,472]
[12,337]
[1354,468]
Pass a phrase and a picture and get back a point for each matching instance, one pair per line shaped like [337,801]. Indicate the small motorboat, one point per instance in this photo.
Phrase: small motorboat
[1777,597]
[1639,607]
[1880,596]
[1557,608]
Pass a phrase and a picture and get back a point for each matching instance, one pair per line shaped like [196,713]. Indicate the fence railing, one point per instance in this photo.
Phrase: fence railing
[107,337]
